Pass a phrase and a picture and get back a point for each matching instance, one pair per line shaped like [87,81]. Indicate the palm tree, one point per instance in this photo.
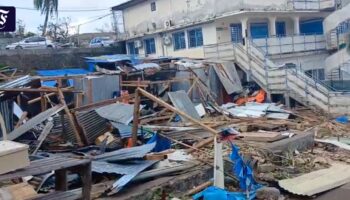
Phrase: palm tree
[47,7]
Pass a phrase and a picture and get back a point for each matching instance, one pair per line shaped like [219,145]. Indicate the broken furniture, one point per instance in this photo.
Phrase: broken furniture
[61,165]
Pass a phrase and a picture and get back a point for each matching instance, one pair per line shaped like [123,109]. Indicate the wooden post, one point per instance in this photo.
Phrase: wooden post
[173,109]
[70,117]
[136,117]
[61,180]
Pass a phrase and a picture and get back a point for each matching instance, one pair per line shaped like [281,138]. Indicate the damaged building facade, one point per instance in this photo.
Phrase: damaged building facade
[308,36]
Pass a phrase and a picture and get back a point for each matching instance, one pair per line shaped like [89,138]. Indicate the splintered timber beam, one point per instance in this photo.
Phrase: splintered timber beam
[142,92]
[71,118]
[136,117]
[173,109]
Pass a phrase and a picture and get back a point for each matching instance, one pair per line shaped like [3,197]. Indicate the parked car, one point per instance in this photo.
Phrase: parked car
[101,42]
[32,43]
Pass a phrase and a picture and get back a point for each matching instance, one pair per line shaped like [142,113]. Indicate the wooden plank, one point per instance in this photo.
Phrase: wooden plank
[262,136]
[71,118]
[38,90]
[136,117]
[43,136]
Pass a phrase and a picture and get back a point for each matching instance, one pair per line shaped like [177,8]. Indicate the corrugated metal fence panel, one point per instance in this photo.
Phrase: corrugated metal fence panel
[93,125]
[6,110]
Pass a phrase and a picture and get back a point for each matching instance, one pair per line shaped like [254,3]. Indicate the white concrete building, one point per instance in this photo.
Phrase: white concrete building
[259,36]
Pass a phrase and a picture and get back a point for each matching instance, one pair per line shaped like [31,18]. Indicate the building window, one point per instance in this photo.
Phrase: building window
[195,38]
[150,46]
[132,49]
[153,6]
[311,27]
[259,30]
[281,29]
[236,33]
[179,40]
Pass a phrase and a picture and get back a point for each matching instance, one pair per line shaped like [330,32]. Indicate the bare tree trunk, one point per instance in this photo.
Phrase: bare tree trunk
[45,23]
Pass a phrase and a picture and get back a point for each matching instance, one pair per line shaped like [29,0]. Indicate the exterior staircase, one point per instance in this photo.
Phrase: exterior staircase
[280,80]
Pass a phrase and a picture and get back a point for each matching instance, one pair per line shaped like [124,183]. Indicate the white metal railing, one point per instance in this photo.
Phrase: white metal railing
[285,80]
[291,44]
[312,4]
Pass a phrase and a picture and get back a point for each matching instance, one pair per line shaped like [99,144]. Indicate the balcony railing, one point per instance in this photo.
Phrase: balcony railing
[312,4]
[291,44]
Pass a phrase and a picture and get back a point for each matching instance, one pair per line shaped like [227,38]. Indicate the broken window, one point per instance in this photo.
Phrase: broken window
[195,38]
[179,40]
[153,6]
[150,46]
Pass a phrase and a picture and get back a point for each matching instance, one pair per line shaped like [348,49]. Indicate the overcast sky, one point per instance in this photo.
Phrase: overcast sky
[33,18]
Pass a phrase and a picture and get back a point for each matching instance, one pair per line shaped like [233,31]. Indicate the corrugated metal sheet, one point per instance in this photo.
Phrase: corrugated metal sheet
[126,153]
[63,127]
[102,87]
[18,82]
[118,185]
[118,112]
[123,169]
[182,102]
[34,121]
[318,181]
[6,110]
[227,73]
[93,125]
[124,130]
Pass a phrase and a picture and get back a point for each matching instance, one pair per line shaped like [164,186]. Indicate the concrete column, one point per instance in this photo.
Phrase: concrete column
[272,26]
[244,22]
[296,26]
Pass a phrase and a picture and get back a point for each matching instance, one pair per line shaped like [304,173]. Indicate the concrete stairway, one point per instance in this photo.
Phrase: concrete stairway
[277,80]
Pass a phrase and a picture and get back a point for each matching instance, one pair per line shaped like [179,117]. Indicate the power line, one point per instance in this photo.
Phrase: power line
[67,10]
[93,20]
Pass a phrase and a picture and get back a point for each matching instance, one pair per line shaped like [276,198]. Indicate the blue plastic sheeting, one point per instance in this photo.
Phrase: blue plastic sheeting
[342,119]
[162,143]
[311,27]
[246,182]
[134,59]
[243,172]
[214,193]
[60,72]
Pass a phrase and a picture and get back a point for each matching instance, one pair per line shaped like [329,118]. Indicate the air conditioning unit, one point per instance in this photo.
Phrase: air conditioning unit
[138,44]
[168,24]
[167,40]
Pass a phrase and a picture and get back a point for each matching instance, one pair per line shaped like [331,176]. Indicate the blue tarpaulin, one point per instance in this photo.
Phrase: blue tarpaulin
[246,182]
[60,72]
[342,119]
[162,143]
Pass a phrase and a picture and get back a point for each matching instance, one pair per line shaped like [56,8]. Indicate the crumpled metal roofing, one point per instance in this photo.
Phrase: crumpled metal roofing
[124,130]
[318,181]
[34,121]
[126,153]
[17,82]
[123,169]
[182,102]
[118,112]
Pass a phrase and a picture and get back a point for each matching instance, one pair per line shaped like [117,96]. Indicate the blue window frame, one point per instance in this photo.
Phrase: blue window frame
[132,49]
[281,29]
[179,41]
[153,6]
[236,33]
[195,38]
[259,30]
[311,27]
[150,46]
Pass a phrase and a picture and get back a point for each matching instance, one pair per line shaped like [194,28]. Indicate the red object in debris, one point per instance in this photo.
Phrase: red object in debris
[260,98]
[124,94]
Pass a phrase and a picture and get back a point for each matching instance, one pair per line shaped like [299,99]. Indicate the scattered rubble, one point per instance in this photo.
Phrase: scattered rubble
[126,127]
